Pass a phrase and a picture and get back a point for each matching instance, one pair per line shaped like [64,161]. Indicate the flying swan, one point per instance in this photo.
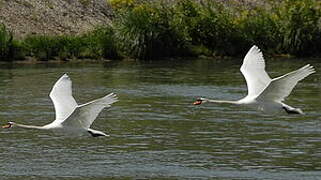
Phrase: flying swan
[71,117]
[264,93]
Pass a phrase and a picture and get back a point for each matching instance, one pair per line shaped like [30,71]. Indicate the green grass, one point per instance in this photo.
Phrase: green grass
[96,44]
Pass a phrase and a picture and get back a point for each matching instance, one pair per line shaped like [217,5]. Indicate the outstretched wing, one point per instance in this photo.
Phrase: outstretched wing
[85,114]
[61,96]
[281,87]
[253,70]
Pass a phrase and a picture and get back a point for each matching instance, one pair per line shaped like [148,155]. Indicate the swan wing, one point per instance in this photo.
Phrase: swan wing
[61,96]
[85,114]
[253,70]
[281,87]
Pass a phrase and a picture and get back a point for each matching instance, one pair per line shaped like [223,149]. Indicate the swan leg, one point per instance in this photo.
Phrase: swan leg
[291,110]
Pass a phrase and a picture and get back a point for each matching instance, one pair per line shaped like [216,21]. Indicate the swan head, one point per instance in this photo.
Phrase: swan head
[8,125]
[200,101]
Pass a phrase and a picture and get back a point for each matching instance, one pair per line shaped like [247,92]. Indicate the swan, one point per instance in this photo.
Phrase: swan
[265,94]
[71,117]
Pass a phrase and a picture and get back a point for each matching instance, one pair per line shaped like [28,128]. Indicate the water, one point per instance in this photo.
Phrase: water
[155,130]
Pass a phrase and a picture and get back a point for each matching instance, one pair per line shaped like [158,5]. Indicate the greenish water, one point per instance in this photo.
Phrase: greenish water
[155,130]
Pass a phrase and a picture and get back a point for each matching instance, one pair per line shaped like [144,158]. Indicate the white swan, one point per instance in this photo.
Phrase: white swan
[264,93]
[70,117]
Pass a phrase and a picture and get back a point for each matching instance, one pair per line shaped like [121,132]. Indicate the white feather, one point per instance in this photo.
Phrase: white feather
[281,87]
[84,115]
[70,117]
[264,93]
[253,70]
[61,96]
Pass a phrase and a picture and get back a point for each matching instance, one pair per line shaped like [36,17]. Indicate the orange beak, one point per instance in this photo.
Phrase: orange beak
[7,126]
[197,102]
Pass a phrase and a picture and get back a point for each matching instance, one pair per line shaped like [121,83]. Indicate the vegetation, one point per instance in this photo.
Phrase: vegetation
[300,26]
[150,32]
[6,42]
[155,29]
[99,43]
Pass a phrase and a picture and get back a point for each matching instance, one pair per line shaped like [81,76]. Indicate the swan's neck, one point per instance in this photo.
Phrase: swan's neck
[221,101]
[29,126]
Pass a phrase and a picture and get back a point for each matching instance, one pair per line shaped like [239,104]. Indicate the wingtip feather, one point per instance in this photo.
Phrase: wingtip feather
[253,59]
[254,49]
[64,75]
[111,98]
[308,68]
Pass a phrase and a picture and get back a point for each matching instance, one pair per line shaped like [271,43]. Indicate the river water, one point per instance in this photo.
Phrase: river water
[155,131]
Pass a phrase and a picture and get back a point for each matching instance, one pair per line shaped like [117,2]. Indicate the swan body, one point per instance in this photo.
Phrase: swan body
[71,117]
[264,93]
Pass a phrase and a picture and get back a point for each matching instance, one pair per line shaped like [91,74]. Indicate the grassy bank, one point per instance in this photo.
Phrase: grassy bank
[97,44]
[153,30]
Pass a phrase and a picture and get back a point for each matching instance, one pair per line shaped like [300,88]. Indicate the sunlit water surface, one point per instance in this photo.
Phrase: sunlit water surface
[155,130]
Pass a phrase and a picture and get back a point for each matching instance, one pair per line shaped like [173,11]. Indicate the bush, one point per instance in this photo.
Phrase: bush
[261,27]
[5,42]
[70,47]
[95,44]
[300,26]
[214,28]
[42,47]
[146,32]
[102,42]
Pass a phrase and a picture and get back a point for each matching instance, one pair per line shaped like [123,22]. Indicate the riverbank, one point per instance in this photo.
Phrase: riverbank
[154,30]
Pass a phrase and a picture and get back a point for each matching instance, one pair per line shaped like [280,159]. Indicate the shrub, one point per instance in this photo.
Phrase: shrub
[121,4]
[95,44]
[102,42]
[210,24]
[146,32]
[300,26]
[70,46]
[41,46]
[262,27]
[5,42]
